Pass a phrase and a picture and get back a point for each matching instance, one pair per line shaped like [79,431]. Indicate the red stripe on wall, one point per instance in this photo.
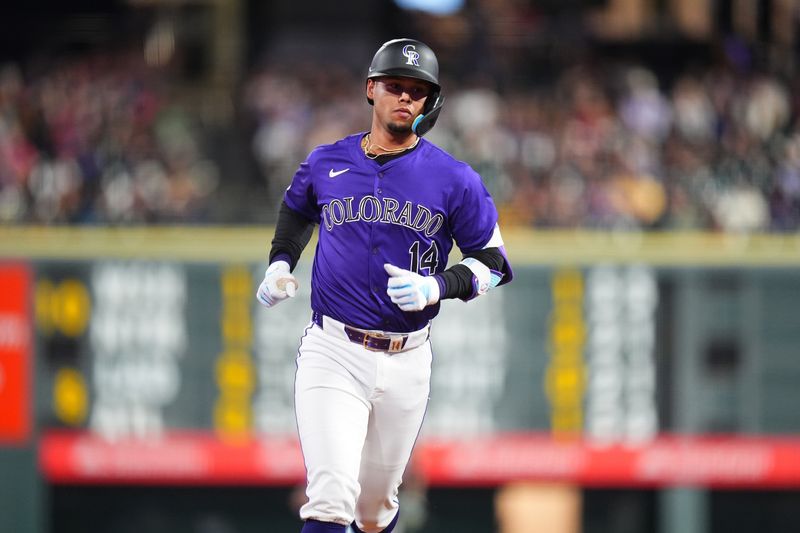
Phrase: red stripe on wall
[202,459]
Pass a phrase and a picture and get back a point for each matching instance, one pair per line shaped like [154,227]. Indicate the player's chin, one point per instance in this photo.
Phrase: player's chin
[399,127]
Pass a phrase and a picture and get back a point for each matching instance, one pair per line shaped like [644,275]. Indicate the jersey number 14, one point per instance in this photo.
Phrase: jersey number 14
[428,260]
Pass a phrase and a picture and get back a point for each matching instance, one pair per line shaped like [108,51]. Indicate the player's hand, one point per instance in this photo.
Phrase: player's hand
[410,291]
[278,285]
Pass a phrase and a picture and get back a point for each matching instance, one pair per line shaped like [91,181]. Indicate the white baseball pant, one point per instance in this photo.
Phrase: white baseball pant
[358,415]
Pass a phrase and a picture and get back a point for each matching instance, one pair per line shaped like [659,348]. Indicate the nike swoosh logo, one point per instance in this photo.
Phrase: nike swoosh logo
[334,173]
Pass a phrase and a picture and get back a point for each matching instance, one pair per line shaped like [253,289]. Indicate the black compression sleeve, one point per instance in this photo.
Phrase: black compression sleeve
[491,257]
[292,233]
[458,278]
[457,282]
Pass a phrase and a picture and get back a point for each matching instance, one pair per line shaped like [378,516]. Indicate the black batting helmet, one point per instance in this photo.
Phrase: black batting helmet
[410,58]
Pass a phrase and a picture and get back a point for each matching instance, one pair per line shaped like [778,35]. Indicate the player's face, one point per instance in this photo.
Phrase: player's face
[398,101]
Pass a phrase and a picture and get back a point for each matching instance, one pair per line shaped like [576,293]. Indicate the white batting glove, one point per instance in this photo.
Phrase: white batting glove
[410,291]
[278,285]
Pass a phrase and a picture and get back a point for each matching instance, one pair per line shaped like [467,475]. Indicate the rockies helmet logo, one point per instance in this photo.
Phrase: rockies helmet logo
[410,52]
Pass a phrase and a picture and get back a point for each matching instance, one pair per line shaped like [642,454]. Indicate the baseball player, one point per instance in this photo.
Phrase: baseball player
[389,205]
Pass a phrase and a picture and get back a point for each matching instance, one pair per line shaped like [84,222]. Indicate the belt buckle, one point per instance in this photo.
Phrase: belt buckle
[395,342]
[372,336]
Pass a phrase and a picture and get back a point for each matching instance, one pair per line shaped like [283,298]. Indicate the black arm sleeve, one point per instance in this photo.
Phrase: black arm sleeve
[458,278]
[292,233]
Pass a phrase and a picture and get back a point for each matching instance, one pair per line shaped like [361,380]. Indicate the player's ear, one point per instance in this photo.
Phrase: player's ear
[371,91]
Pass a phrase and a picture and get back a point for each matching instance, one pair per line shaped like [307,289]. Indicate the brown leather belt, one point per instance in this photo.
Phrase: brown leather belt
[371,340]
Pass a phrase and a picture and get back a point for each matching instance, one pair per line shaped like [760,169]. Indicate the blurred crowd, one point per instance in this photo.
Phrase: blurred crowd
[609,148]
[99,139]
[105,140]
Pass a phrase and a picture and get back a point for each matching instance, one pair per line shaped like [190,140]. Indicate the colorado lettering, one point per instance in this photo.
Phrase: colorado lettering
[387,210]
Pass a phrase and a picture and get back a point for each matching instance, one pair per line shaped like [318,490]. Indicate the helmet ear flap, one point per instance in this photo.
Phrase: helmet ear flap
[427,119]
[435,99]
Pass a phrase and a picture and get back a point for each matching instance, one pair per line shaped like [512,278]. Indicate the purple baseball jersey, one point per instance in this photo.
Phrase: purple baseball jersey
[406,212]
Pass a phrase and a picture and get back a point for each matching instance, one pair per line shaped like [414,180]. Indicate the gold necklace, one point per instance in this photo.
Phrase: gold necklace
[369,145]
